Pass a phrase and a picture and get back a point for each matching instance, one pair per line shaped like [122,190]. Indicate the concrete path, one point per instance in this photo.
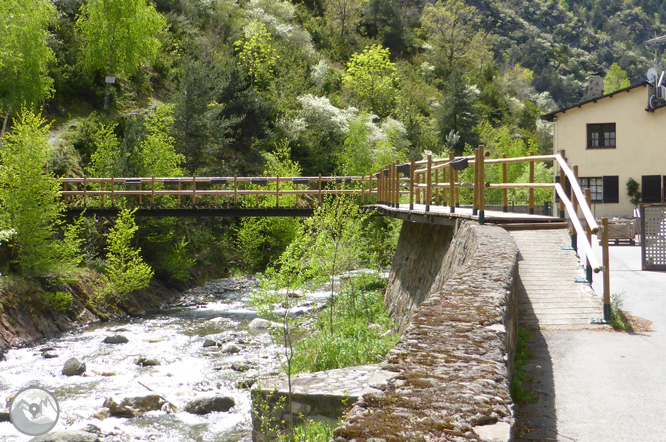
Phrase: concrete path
[602,385]
[548,297]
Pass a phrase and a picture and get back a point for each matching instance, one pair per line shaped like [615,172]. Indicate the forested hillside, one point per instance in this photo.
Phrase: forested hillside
[223,87]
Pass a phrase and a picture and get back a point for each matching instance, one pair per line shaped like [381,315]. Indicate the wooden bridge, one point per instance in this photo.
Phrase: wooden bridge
[418,191]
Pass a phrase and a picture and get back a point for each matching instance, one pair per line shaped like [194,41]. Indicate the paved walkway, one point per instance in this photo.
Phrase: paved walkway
[603,386]
[548,297]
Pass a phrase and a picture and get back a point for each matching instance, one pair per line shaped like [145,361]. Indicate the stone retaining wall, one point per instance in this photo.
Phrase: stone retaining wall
[453,363]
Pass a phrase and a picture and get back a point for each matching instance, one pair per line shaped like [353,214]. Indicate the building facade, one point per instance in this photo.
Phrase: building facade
[611,139]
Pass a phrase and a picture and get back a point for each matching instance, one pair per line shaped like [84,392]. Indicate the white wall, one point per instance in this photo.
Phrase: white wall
[640,143]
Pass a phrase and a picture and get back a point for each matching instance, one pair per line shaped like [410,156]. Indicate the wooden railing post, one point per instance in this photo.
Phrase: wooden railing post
[179,192]
[482,185]
[396,175]
[102,187]
[417,180]
[505,192]
[452,186]
[391,185]
[319,188]
[277,191]
[429,184]
[217,195]
[411,183]
[140,192]
[445,180]
[113,191]
[362,189]
[475,181]
[563,183]
[85,191]
[606,269]
[531,189]
[152,194]
[370,195]
[436,187]
[588,234]
[235,191]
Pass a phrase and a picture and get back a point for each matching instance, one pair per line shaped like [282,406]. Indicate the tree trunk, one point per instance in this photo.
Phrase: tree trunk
[4,128]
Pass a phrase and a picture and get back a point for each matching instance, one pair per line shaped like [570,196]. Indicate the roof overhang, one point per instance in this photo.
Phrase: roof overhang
[551,117]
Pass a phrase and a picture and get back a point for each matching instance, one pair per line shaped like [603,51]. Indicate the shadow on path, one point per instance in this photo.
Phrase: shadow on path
[536,421]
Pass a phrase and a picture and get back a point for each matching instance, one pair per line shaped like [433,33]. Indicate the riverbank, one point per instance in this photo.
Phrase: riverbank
[27,316]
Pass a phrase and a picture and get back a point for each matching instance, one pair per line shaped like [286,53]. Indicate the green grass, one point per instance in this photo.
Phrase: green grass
[311,432]
[519,392]
[362,330]
[617,319]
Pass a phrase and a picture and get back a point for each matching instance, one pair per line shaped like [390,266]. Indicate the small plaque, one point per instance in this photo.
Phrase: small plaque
[110,80]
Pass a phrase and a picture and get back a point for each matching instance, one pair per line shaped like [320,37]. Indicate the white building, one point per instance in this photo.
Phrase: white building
[611,139]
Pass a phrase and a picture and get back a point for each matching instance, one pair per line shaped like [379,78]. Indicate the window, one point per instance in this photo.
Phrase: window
[596,188]
[600,136]
[602,189]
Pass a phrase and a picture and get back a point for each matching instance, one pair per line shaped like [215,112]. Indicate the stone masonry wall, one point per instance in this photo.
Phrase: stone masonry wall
[453,363]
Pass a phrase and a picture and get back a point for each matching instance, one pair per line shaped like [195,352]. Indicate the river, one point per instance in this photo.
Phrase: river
[220,311]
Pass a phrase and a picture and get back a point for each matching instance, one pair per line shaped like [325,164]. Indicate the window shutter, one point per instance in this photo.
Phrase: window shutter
[611,189]
[651,188]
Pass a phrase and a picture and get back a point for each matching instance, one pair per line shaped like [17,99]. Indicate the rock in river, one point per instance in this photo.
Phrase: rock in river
[67,436]
[205,405]
[74,367]
[147,362]
[231,348]
[210,343]
[258,324]
[116,339]
[133,406]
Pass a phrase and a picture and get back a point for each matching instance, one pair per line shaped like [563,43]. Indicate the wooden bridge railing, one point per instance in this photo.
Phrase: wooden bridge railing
[423,178]
[430,181]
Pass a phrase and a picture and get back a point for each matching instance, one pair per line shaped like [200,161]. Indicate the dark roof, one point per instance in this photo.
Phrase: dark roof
[551,116]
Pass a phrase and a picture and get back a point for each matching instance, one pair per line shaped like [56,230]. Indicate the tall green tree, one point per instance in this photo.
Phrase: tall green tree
[371,77]
[119,35]
[454,31]
[125,270]
[24,54]
[30,201]
[157,151]
[616,78]
[256,53]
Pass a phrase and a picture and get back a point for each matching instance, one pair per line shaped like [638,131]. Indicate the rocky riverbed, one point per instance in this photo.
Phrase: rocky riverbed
[181,375]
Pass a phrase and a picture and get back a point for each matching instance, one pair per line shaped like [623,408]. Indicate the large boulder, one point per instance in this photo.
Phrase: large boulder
[67,436]
[134,406]
[116,339]
[205,405]
[74,367]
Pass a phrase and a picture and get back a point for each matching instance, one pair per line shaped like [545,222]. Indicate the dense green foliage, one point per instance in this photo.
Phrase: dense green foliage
[269,87]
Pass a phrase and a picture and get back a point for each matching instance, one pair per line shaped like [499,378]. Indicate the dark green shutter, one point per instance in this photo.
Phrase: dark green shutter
[611,189]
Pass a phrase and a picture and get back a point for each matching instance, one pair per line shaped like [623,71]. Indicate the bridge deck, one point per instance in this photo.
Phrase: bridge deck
[548,297]
[443,215]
